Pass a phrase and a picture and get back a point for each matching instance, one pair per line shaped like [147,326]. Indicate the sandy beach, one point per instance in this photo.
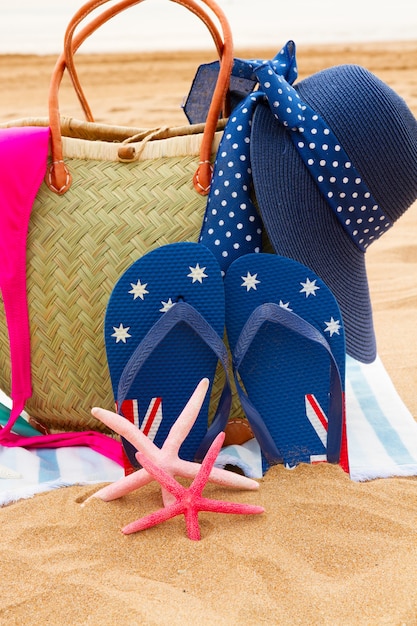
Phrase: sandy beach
[327,550]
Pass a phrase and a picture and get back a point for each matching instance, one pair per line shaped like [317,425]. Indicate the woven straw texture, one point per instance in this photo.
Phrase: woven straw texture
[78,246]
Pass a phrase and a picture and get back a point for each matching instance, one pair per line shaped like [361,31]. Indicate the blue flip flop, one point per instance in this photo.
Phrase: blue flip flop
[163,330]
[286,335]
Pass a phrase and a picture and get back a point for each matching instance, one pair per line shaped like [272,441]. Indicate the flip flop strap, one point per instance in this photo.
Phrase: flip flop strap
[271,312]
[181,312]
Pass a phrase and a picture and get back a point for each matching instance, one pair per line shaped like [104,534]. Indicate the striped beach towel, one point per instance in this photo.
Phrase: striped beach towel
[381,432]
[381,441]
[25,473]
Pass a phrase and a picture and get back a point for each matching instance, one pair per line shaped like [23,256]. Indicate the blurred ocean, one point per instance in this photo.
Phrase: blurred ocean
[38,26]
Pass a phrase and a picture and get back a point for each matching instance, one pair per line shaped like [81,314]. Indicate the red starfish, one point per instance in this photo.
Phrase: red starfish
[167,456]
[188,501]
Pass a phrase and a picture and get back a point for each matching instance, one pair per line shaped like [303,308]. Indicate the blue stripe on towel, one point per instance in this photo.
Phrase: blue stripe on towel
[375,416]
[92,469]
[48,466]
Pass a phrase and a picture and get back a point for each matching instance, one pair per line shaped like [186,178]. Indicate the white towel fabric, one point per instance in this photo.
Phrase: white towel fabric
[381,432]
[381,438]
[43,470]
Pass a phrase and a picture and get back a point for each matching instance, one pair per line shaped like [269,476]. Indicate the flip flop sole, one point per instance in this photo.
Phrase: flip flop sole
[286,375]
[183,272]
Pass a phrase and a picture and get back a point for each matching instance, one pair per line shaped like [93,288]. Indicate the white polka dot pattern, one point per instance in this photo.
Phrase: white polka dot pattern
[328,163]
[232,226]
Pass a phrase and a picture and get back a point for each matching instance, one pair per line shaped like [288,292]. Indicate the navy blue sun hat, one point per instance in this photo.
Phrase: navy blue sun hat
[327,220]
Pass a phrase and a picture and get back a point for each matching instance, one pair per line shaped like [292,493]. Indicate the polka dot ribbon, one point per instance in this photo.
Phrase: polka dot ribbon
[232,226]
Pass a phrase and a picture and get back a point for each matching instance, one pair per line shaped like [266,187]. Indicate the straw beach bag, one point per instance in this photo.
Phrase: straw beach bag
[110,195]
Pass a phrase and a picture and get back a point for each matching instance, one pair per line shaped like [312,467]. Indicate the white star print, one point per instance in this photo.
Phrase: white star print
[285,306]
[309,287]
[333,326]
[121,333]
[197,273]
[250,281]
[166,305]
[138,290]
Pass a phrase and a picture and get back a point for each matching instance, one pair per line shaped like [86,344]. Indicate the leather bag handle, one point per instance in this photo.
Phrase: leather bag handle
[69,51]
[58,176]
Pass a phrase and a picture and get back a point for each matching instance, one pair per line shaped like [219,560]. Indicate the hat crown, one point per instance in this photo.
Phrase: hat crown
[375,127]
